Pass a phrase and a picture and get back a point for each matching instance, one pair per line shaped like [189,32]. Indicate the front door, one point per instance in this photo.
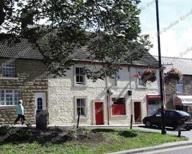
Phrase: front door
[99,118]
[40,101]
[137,111]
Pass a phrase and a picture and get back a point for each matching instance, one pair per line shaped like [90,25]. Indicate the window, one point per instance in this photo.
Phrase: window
[39,103]
[179,88]
[80,75]
[153,105]
[9,97]
[8,70]
[118,106]
[80,103]
[140,81]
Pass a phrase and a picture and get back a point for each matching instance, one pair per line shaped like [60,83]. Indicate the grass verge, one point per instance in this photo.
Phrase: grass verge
[86,141]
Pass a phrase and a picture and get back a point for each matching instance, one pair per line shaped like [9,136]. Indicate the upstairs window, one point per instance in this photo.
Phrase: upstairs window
[8,69]
[179,87]
[139,80]
[80,75]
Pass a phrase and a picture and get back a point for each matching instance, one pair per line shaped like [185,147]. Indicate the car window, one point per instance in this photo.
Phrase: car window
[170,114]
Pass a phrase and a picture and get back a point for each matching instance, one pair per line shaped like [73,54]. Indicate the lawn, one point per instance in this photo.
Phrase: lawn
[81,141]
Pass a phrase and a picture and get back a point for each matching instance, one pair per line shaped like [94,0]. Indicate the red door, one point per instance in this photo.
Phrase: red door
[137,111]
[99,113]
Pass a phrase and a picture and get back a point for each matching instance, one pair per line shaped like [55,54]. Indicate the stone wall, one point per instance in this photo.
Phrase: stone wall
[187,82]
[30,78]
[170,89]
[63,91]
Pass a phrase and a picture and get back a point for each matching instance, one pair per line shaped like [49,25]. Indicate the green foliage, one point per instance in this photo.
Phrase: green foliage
[4,130]
[109,30]
[172,74]
[149,75]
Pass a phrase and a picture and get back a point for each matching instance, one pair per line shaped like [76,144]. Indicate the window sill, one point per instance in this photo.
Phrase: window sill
[119,117]
[80,85]
[7,106]
[81,119]
[9,78]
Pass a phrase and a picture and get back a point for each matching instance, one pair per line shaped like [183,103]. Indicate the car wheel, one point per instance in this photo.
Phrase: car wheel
[148,124]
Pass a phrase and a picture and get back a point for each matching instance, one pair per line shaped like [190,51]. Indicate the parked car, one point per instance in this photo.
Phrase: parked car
[173,118]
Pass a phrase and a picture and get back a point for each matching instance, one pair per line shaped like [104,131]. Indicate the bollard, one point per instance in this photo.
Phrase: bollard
[179,133]
[78,119]
[131,123]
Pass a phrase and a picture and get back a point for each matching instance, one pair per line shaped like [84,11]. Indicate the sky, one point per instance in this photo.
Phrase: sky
[175,24]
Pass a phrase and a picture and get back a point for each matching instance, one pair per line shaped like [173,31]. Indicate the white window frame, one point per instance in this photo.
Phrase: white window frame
[139,80]
[12,93]
[179,88]
[85,107]
[8,70]
[82,75]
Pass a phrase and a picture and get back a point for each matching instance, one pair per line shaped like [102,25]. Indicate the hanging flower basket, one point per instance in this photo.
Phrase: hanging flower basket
[173,74]
[148,75]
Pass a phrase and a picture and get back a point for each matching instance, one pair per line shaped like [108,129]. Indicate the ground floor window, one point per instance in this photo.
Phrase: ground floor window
[81,106]
[9,97]
[118,106]
[153,104]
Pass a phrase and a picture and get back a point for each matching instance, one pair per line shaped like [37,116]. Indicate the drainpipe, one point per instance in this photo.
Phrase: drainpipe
[131,122]
[107,97]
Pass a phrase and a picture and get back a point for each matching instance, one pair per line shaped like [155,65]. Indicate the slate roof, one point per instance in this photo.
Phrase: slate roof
[146,60]
[184,65]
[19,50]
[25,50]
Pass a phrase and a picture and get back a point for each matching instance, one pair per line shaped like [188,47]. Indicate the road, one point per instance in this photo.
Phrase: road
[179,150]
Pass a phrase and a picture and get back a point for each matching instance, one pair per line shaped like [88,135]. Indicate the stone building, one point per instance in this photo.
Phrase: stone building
[179,90]
[22,76]
[101,102]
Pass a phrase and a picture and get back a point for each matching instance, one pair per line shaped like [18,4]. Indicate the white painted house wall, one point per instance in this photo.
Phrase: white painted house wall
[62,93]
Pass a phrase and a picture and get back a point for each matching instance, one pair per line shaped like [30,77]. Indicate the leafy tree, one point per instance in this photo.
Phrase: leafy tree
[105,31]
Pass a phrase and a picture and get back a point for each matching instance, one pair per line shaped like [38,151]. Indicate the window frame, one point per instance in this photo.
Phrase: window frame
[115,105]
[79,83]
[8,70]
[38,105]
[139,80]
[85,107]
[14,98]
[179,88]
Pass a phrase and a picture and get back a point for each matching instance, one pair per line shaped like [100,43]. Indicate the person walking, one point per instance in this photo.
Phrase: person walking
[20,113]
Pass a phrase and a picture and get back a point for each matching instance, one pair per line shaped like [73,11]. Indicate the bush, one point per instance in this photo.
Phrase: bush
[5,130]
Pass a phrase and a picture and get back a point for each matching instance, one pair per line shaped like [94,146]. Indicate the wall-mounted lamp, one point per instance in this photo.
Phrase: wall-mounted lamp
[129,92]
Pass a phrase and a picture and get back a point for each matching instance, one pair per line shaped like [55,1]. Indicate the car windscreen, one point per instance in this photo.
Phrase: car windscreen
[182,113]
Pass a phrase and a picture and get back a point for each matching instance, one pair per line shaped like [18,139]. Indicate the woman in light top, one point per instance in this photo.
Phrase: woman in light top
[20,112]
